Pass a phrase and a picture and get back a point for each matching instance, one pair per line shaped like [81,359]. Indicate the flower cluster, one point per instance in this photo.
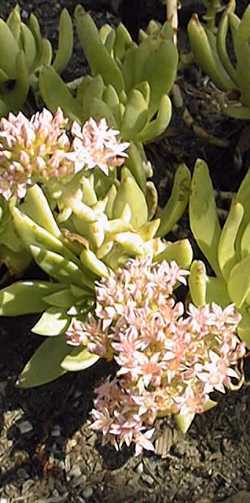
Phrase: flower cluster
[168,362]
[40,148]
[95,144]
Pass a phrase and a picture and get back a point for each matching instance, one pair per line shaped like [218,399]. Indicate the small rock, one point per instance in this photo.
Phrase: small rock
[25,427]
[147,478]
[139,468]
[67,463]
[75,471]
[88,492]
[56,431]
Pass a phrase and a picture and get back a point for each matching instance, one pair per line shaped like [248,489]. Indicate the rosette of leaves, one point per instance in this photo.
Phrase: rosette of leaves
[226,249]
[80,241]
[227,69]
[24,51]
[128,85]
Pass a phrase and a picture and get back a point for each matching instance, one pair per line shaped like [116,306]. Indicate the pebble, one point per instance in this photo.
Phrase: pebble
[88,492]
[139,468]
[75,471]
[25,427]
[67,463]
[147,478]
[56,431]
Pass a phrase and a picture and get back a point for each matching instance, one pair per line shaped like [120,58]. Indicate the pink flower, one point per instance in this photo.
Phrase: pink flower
[215,373]
[103,421]
[96,145]
[32,150]
[39,149]
[75,334]
[168,363]
[142,441]
[97,337]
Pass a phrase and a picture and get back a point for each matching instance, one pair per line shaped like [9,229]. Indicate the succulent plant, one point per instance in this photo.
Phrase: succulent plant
[210,50]
[128,85]
[23,52]
[77,234]
[227,250]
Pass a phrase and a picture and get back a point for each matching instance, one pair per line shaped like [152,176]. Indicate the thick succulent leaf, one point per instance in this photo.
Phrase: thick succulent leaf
[177,202]
[37,208]
[56,94]
[159,124]
[243,197]
[227,256]
[52,322]
[134,163]
[179,251]
[46,363]
[97,55]
[245,241]
[197,282]
[184,421]
[64,298]
[203,216]
[244,327]
[33,234]
[129,193]
[243,56]
[239,282]
[135,115]
[25,297]
[79,359]
[65,42]
[217,292]
[59,267]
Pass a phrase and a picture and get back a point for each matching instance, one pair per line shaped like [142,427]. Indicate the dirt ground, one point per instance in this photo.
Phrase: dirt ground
[48,453]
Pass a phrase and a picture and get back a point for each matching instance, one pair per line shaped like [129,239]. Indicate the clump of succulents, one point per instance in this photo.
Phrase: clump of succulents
[77,220]
[226,249]
[23,52]
[210,49]
[75,198]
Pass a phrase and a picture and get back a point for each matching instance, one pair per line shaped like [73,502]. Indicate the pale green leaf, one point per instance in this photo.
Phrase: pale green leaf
[79,359]
[45,365]
[52,322]
[25,297]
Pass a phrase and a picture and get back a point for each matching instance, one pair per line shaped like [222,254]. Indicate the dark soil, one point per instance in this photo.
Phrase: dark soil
[48,452]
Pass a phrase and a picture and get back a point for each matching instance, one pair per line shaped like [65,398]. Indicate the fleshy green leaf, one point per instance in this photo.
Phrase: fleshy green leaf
[217,292]
[52,322]
[239,281]
[79,359]
[59,267]
[179,251]
[64,298]
[227,257]
[45,365]
[204,220]
[244,327]
[184,421]
[197,282]
[25,297]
